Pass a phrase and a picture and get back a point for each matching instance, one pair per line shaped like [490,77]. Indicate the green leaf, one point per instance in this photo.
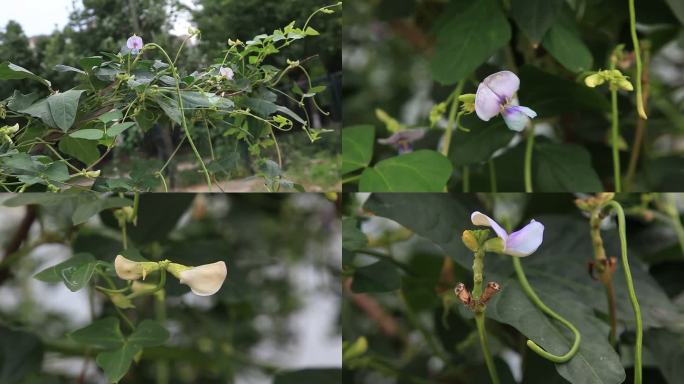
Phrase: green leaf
[352,237]
[21,353]
[63,107]
[119,128]
[66,68]
[46,199]
[20,101]
[56,171]
[88,134]
[435,216]
[480,143]
[596,360]
[381,276]
[54,274]
[41,110]
[466,38]
[564,43]
[170,107]
[550,95]
[116,363]
[85,211]
[9,71]
[76,278]
[103,333]
[82,150]
[309,376]
[114,114]
[149,333]
[420,171]
[261,107]
[357,147]
[677,8]
[564,168]
[535,17]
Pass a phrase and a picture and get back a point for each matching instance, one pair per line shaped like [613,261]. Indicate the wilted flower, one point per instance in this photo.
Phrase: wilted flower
[402,140]
[227,73]
[203,280]
[520,243]
[496,94]
[135,44]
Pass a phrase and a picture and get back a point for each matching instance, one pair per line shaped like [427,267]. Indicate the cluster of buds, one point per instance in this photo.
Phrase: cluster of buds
[615,79]
[203,280]
[594,202]
[7,132]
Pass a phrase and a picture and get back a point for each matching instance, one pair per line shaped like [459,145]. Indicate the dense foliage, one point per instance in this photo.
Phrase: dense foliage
[410,67]
[281,251]
[126,102]
[404,255]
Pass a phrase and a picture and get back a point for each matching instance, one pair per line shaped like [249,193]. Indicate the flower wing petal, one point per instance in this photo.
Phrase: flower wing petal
[525,241]
[487,103]
[504,84]
[205,280]
[481,219]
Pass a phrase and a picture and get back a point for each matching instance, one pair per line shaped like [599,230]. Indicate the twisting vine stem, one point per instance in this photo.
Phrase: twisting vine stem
[537,301]
[452,117]
[478,277]
[615,132]
[630,288]
[637,57]
[184,124]
[528,157]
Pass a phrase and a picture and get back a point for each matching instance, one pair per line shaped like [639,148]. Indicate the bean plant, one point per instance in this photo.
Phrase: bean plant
[61,139]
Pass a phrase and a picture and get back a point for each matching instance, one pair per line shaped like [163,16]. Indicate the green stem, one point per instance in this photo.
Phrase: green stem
[615,139]
[537,301]
[124,237]
[637,57]
[492,176]
[184,124]
[452,118]
[630,288]
[162,365]
[528,158]
[480,322]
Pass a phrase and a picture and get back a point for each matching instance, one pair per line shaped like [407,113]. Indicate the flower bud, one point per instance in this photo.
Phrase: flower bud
[203,280]
[470,240]
[594,80]
[468,101]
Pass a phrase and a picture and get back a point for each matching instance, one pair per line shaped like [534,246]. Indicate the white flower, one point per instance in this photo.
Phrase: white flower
[204,280]
[227,72]
[127,269]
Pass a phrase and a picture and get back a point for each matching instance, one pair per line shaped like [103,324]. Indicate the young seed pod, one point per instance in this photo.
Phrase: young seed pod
[491,290]
[463,294]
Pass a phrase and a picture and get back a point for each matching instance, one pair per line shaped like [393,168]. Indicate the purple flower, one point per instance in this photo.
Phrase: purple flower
[496,94]
[227,73]
[520,243]
[134,43]
[402,140]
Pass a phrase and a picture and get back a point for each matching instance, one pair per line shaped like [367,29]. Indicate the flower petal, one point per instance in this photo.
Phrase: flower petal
[205,280]
[517,117]
[487,103]
[408,135]
[128,269]
[481,219]
[504,84]
[525,241]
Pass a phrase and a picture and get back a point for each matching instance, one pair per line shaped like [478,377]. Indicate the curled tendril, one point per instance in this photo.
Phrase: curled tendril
[537,301]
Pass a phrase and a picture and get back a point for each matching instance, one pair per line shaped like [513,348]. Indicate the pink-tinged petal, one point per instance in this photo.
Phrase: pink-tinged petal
[504,84]
[487,103]
[481,219]
[525,241]
[516,118]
